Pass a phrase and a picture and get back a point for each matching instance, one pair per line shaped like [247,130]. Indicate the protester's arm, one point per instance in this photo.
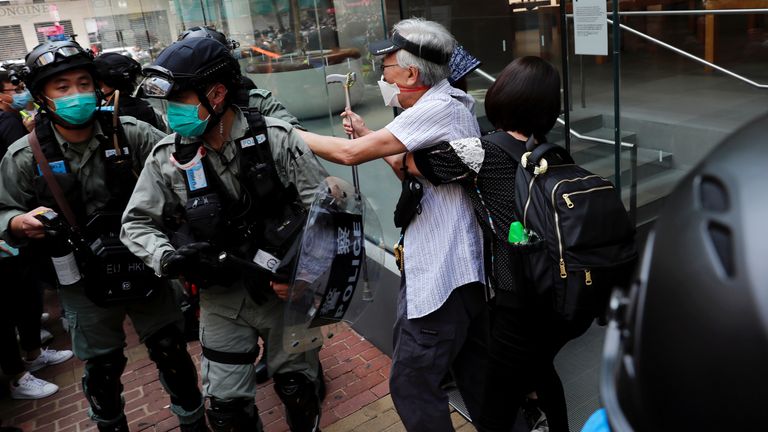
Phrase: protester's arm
[439,164]
[375,145]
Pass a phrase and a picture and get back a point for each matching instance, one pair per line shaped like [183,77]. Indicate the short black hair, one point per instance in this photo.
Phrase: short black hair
[525,97]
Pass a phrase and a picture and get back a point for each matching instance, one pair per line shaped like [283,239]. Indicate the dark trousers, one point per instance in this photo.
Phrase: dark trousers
[451,339]
[20,309]
[523,345]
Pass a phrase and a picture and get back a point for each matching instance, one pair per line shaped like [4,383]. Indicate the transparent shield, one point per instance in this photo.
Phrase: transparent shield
[335,272]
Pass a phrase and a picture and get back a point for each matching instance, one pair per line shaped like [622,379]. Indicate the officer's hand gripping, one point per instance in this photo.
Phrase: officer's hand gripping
[195,262]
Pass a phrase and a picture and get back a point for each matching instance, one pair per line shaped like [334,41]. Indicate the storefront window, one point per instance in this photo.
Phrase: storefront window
[285,46]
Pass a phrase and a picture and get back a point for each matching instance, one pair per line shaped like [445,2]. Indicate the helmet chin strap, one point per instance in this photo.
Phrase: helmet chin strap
[215,117]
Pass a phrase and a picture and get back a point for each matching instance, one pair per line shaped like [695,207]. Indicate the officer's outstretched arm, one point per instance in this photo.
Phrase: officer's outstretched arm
[143,226]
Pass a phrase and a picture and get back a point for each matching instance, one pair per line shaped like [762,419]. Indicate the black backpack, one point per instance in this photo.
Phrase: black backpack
[582,243]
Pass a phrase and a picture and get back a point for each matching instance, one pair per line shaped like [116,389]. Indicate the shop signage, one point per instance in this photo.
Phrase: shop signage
[24,10]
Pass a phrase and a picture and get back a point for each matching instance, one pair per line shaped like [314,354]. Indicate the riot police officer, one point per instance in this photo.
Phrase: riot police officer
[71,162]
[118,72]
[248,94]
[228,180]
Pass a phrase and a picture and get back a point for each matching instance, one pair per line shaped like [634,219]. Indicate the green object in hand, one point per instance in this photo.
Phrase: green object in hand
[517,233]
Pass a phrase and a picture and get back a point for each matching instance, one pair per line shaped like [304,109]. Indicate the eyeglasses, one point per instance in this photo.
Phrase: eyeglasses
[50,56]
[383,66]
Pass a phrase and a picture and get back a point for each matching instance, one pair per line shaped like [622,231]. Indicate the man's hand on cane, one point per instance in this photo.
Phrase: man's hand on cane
[354,124]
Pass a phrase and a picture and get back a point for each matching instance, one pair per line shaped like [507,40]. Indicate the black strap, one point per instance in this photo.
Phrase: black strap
[261,152]
[45,168]
[48,143]
[505,142]
[548,148]
[512,147]
[230,357]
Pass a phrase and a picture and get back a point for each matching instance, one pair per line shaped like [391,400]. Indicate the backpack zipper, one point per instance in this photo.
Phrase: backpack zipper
[567,196]
[563,273]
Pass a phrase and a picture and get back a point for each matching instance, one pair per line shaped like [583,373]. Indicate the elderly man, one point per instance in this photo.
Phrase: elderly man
[441,321]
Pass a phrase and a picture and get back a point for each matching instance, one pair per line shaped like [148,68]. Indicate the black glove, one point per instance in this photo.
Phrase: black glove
[197,263]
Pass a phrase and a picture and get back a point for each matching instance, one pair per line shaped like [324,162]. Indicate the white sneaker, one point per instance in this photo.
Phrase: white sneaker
[48,357]
[45,316]
[45,336]
[29,387]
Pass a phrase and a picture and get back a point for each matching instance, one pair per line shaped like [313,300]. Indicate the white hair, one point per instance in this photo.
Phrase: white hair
[429,34]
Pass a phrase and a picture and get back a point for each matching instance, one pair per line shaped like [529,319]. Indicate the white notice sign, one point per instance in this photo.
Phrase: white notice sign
[590,27]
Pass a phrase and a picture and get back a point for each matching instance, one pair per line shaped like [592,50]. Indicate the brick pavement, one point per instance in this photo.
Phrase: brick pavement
[356,375]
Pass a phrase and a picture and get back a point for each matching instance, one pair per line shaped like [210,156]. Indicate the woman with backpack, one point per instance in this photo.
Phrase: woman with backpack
[526,332]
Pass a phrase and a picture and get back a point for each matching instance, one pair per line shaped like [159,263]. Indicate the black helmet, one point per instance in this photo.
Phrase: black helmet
[190,64]
[10,72]
[53,57]
[210,33]
[687,349]
[117,70]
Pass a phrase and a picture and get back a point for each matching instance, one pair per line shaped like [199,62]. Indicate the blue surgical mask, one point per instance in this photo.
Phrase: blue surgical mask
[75,109]
[20,100]
[184,120]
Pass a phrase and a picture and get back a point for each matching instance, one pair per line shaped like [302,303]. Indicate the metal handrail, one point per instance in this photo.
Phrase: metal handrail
[683,53]
[595,139]
[693,12]
[689,55]
[490,78]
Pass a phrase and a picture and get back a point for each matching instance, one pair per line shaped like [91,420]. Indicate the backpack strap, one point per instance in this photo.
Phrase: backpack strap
[505,142]
[563,157]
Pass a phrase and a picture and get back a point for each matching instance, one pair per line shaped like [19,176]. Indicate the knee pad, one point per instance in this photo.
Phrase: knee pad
[235,415]
[168,349]
[302,404]
[102,386]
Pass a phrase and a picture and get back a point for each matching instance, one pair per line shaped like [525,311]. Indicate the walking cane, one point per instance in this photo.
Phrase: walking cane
[347,81]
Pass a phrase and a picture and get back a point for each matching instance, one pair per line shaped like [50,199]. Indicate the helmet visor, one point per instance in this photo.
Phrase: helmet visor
[50,56]
[160,82]
[157,86]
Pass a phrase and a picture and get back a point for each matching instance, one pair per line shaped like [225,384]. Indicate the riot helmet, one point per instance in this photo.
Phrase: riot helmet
[687,347]
[53,57]
[193,64]
[210,33]
[117,70]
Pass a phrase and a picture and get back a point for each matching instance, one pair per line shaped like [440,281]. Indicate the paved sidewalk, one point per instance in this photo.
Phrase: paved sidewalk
[356,375]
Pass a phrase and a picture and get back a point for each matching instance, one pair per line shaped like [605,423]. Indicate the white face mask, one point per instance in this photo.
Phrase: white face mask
[389,92]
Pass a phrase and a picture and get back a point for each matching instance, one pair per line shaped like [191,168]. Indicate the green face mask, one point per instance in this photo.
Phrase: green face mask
[75,109]
[183,119]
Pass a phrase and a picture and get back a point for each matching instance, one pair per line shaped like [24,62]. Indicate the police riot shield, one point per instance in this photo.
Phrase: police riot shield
[338,266]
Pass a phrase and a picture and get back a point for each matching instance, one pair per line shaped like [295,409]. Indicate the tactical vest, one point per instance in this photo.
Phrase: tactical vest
[118,169]
[261,225]
[111,274]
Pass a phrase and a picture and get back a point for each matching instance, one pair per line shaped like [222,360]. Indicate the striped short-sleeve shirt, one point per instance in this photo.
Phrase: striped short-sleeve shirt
[443,244]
